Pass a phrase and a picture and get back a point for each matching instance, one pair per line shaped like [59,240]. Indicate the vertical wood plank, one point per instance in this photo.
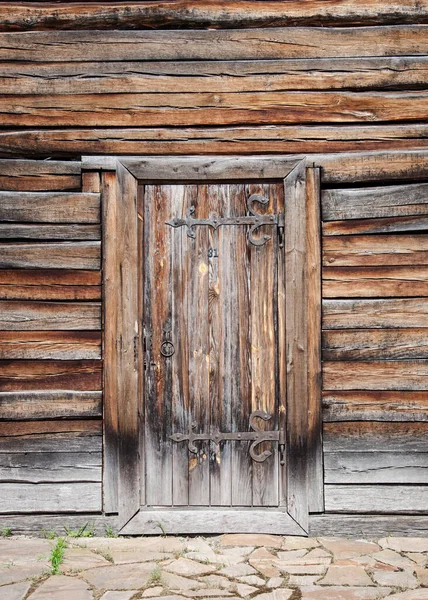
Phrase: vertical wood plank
[157,320]
[198,335]
[181,198]
[91,181]
[219,305]
[296,341]
[240,346]
[263,345]
[313,233]
[127,335]
[110,422]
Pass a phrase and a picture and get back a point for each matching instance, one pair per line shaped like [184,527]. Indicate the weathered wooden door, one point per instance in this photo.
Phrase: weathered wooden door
[213,305]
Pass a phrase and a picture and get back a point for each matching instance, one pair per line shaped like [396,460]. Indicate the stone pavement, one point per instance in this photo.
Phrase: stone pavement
[230,567]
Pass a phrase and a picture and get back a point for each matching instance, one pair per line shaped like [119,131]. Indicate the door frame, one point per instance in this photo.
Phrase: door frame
[123,346]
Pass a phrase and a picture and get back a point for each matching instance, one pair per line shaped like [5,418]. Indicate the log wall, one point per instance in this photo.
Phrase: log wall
[179,78]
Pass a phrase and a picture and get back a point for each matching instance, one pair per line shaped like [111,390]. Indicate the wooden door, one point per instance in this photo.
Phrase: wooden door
[212,331]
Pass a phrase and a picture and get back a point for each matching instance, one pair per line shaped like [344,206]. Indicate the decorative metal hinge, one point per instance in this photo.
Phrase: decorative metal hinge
[257,436]
[254,219]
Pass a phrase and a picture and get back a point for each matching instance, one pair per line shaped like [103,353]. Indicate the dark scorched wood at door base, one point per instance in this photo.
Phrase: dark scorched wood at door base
[116,117]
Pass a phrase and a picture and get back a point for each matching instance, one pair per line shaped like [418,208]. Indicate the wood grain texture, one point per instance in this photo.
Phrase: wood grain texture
[216,76]
[379,250]
[375,282]
[54,345]
[375,437]
[313,234]
[375,499]
[190,109]
[382,201]
[51,436]
[44,468]
[381,225]
[57,404]
[110,302]
[272,43]
[64,255]
[183,14]
[353,525]
[49,207]
[363,375]
[18,375]
[375,313]
[375,406]
[14,231]
[375,344]
[213,140]
[128,333]
[49,285]
[379,468]
[295,248]
[49,316]
[50,497]
[31,175]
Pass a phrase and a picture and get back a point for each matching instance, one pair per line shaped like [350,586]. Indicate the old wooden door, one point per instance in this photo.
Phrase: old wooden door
[213,345]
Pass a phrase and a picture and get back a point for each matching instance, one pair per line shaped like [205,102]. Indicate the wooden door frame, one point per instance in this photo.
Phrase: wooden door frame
[123,332]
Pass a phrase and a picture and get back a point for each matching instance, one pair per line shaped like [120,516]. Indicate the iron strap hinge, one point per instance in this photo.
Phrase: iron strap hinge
[255,220]
[257,436]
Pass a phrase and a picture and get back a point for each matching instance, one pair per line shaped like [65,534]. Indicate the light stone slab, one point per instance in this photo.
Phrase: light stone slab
[16,591]
[399,579]
[61,587]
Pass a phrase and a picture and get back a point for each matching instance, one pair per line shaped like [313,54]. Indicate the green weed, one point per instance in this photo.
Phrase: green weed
[110,533]
[85,530]
[56,557]
[5,532]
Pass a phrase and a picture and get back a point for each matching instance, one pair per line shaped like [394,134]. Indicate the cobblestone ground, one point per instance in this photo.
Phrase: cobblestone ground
[233,567]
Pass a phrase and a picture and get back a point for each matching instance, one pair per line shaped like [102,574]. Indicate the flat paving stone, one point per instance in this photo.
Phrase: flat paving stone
[16,591]
[120,577]
[421,594]
[299,543]
[393,558]
[346,575]
[185,566]
[251,539]
[12,573]
[400,579]
[153,591]
[422,575]
[245,590]
[405,544]
[60,587]
[343,593]
[119,595]
[282,594]
[78,559]
[176,582]
[342,548]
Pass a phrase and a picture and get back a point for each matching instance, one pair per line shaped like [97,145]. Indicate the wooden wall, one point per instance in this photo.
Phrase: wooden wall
[50,338]
[198,78]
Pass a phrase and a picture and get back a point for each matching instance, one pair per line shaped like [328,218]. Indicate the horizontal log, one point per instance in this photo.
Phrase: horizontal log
[38,524]
[50,285]
[374,344]
[202,13]
[49,316]
[48,467]
[375,468]
[379,250]
[50,497]
[382,225]
[63,255]
[374,282]
[20,375]
[375,437]
[351,525]
[383,201]
[190,109]
[376,498]
[375,406]
[31,175]
[213,76]
[210,140]
[53,345]
[272,43]
[51,436]
[49,232]
[338,168]
[16,406]
[363,314]
[392,375]
[31,207]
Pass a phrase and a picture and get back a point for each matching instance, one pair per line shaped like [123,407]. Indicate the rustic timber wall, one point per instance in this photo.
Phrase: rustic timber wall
[267,77]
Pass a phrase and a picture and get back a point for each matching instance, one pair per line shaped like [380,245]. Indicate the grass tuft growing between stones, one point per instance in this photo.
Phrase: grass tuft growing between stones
[84,531]
[5,532]
[56,557]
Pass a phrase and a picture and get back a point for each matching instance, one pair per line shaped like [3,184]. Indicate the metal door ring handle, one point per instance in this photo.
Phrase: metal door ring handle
[167,349]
